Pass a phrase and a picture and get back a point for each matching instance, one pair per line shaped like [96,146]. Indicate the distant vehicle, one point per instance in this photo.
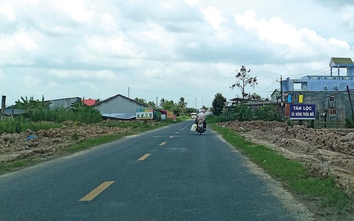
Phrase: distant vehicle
[193,115]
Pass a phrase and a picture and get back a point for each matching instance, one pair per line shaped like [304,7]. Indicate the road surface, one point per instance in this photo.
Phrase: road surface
[166,174]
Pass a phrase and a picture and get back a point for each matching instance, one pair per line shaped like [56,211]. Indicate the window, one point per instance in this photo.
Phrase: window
[332,110]
[331,98]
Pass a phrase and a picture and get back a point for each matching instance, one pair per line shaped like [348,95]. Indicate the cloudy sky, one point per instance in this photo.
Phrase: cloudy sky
[165,49]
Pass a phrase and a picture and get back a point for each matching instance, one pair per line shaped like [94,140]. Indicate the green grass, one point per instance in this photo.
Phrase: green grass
[292,173]
[138,127]
[94,142]
[17,165]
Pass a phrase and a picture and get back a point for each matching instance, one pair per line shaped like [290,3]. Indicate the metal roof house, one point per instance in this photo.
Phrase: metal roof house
[62,102]
[119,107]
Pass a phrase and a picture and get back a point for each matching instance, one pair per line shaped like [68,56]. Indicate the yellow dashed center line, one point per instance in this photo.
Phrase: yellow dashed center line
[97,191]
[163,143]
[144,157]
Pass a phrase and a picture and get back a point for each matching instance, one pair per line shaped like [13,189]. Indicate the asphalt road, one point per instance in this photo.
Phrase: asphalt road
[166,174]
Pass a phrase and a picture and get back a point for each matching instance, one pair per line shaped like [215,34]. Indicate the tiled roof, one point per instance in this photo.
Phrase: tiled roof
[89,102]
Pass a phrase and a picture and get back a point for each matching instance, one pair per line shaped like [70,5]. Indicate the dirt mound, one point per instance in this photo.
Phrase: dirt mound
[46,142]
[323,151]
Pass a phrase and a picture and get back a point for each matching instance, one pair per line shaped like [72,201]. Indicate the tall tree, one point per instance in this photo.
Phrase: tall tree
[140,100]
[151,104]
[162,101]
[31,104]
[181,106]
[169,105]
[244,79]
[218,104]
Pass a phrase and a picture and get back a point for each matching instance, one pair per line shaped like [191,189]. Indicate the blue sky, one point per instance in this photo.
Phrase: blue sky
[165,49]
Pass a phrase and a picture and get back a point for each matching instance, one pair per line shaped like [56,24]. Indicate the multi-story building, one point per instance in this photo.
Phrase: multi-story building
[332,94]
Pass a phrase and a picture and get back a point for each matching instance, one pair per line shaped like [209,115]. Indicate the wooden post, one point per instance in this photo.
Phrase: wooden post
[3,102]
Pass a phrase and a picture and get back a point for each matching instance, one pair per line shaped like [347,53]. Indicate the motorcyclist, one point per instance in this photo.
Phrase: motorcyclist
[201,116]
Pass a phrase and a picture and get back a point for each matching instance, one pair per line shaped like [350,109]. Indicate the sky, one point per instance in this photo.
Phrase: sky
[173,49]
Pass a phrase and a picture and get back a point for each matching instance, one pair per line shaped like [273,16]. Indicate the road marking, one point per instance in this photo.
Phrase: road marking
[144,157]
[171,136]
[177,132]
[97,191]
[163,143]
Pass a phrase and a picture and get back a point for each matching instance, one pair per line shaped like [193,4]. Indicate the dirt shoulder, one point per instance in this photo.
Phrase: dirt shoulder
[324,151]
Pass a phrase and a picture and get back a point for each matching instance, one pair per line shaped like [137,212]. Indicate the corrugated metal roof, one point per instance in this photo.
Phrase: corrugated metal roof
[122,116]
[339,61]
[118,95]
[13,112]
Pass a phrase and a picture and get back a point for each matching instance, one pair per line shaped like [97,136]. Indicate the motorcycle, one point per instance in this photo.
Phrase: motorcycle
[200,127]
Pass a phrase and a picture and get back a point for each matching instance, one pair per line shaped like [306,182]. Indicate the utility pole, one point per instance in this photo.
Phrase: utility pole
[128,91]
[281,94]
[350,100]
[281,89]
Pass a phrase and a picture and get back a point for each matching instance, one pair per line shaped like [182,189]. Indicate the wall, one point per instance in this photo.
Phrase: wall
[322,100]
[117,104]
[63,103]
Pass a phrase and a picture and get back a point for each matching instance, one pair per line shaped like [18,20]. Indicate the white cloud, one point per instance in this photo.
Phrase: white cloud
[192,2]
[300,41]
[213,16]
[83,48]
[104,75]
[275,30]
[30,81]
[76,8]
[348,17]
[8,10]
[15,48]
[108,23]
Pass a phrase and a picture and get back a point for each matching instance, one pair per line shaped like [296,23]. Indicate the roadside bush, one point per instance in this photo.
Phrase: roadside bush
[349,123]
[241,112]
[218,119]
[268,113]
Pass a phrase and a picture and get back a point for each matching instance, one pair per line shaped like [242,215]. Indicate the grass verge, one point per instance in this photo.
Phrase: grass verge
[293,174]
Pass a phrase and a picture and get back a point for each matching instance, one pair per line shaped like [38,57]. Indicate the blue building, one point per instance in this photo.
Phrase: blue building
[332,94]
[335,81]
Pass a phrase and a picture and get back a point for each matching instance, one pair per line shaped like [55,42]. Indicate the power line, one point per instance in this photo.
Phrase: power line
[306,73]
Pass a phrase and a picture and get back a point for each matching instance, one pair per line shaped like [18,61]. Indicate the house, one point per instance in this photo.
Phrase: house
[324,82]
[275,96]
[331,94]
[62,102]
[11,111]
[118,107]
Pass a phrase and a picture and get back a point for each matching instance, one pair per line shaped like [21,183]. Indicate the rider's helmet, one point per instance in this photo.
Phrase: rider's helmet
[202,110]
